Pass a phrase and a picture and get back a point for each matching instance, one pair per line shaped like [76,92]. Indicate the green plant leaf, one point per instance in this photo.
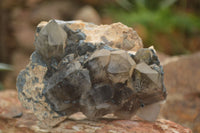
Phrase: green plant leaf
[5,67]
[166,3]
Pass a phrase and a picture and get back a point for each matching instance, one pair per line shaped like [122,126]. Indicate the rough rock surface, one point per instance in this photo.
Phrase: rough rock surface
[182,75]
[18,120]
[96,70]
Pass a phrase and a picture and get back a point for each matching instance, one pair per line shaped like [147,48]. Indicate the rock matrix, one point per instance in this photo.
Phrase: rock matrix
[96,70]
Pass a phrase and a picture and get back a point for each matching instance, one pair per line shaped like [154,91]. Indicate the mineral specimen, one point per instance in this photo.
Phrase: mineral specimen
[96,70]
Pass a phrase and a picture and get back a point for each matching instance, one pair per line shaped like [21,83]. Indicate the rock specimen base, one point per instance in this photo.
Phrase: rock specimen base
[96,70]
[12,121]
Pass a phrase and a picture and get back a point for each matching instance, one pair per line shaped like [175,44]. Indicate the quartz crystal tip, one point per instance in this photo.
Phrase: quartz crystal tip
[51,40]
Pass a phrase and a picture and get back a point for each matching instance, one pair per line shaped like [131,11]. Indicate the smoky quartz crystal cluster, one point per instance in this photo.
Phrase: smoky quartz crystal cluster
[93,69]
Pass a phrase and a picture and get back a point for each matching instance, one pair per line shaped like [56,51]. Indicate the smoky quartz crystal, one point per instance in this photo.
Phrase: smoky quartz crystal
[93,69]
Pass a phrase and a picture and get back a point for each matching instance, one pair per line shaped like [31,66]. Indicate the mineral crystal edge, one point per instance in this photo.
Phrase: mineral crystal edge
[96,70]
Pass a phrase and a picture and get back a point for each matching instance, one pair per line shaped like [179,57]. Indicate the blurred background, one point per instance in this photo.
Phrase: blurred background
[171,26]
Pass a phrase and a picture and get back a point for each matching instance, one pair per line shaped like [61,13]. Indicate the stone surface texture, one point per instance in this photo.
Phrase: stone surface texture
[20,120]
[96,70]
[182,75]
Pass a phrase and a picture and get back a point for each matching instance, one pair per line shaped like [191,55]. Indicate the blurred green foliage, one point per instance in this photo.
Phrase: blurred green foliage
[158,17]
[3,68]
